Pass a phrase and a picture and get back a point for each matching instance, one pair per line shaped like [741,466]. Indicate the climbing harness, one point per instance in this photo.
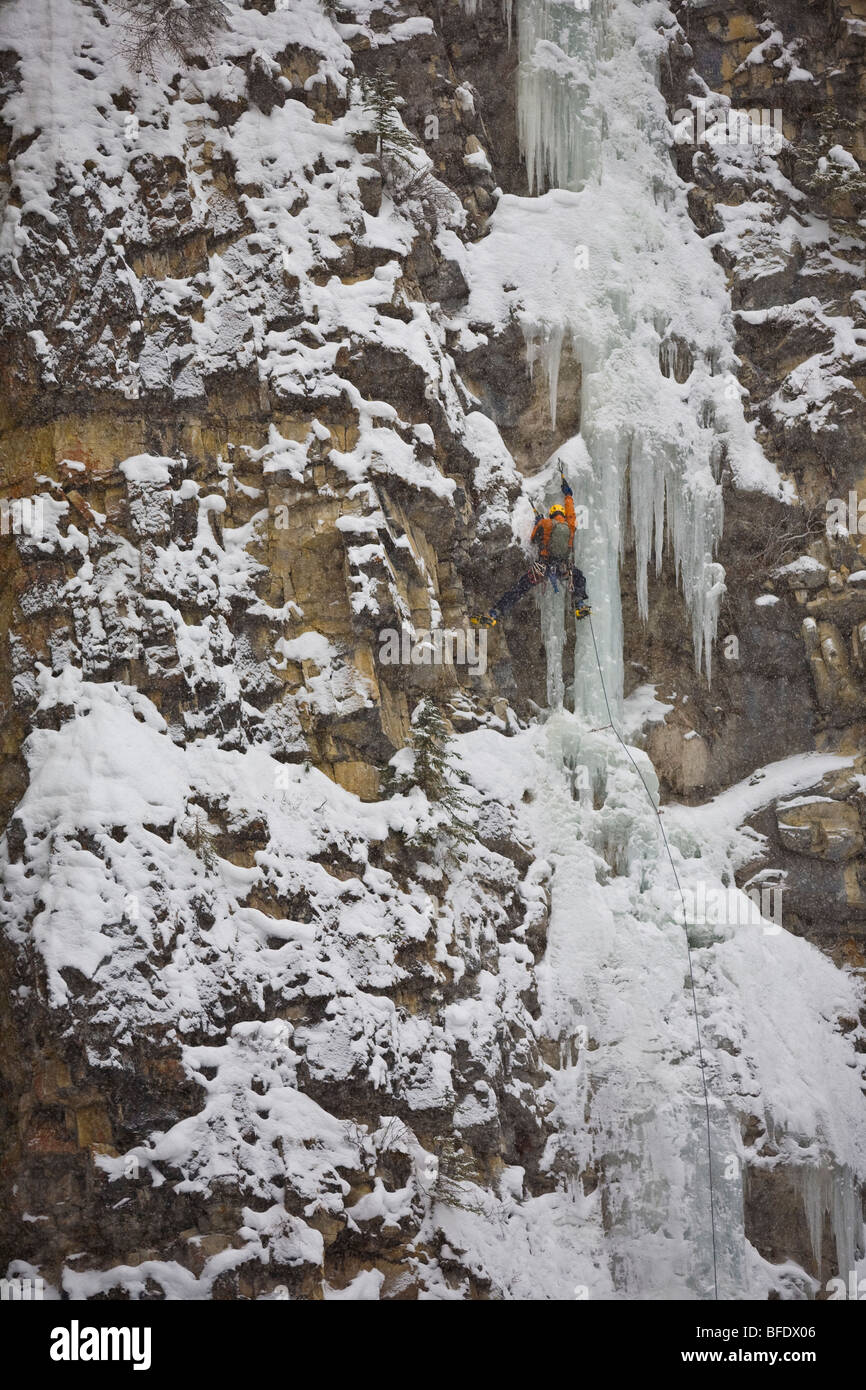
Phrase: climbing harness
[658,815]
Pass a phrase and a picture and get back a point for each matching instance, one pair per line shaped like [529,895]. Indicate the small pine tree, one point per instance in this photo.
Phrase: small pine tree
[457,1175]
[379,95]
[199,838]
[430,740]
[177,27]
[435,774]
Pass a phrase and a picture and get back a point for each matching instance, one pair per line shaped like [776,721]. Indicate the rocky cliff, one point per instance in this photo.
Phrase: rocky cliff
[274,1024]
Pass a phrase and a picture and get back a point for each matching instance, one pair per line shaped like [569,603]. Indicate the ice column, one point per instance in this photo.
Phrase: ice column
[645,300]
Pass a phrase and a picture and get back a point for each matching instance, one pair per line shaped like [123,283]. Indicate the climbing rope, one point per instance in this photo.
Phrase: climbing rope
[658,815]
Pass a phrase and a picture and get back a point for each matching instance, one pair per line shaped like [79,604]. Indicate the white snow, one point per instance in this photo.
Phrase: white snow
[839,155]
[146,468]
[124,875]
[640,708]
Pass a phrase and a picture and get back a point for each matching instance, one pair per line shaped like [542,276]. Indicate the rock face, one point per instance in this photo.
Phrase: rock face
[792,674]
[253,457]
[821,827]
[258,1030]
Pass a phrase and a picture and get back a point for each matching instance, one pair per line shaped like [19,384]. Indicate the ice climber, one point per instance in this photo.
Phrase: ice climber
[553,535]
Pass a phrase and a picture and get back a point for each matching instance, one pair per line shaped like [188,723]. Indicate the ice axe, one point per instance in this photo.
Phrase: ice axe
[565,487]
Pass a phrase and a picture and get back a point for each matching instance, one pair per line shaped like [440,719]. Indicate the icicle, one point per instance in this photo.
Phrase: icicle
[544,343]
[470,8]
[553,87]
[551,605]
[650,412]
[830,1191]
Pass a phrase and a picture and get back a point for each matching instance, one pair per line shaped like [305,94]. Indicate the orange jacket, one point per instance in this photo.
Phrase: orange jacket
[543,528]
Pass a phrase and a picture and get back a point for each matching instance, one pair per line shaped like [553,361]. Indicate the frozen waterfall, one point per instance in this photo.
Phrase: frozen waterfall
[604,258]
[608,261]
[642,291]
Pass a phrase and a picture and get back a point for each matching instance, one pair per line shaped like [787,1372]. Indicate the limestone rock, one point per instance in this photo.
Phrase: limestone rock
[821,827]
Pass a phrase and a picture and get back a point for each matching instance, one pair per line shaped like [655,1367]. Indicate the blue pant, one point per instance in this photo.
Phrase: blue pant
[557,571]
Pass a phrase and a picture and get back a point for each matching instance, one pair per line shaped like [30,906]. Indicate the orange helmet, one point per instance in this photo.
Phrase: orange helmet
[557,510]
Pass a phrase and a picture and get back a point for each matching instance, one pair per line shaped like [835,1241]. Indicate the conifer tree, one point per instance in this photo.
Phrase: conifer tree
[379,96]
[435,773]
[177,27]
